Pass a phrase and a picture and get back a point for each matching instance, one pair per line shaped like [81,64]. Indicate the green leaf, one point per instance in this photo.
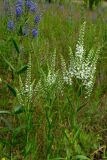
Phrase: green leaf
[18,109]
[81,157]
[28,148]
[20,32]
[16,46]
[11,89]
[22,69]
[81,107]
[9,64]
[76,135]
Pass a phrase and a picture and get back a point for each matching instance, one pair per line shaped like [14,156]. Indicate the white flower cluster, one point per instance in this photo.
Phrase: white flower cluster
[81,66]
[47,81]
[51,78]
[25,92]
[67,78]
[52,74]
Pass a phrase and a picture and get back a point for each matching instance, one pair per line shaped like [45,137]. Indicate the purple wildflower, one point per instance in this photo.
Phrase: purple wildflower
[19,3]
[37,19]
[34,32]
[10,25]
[28,4]
[33,8]
[19,11]
[31,5]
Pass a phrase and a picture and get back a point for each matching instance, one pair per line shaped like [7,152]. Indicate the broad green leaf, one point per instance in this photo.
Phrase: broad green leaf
[82,106]
[22,69]
[11,89]
[81,157]
[20,32]
[28,148]
[16,46]
[9,64]
[18,109]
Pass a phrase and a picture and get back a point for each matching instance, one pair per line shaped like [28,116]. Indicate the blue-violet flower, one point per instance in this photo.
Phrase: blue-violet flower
[19,3]
[19,11]
[31,5]
[37,19]
[34,32]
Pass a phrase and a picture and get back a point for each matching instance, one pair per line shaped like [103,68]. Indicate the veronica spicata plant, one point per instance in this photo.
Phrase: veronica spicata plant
[48,81]
[47,88]
[81,66]
[44,87]
[26,91]
[26,98]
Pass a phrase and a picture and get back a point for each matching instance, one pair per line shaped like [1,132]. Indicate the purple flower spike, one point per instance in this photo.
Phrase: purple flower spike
[28,4]
[19,3]
[34,32]
[33,8]
[31,5]
[18,11]
[37,19]
[10,25]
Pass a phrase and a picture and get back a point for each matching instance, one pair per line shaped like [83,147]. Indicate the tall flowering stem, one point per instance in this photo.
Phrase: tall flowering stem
[81,66]
[26,98]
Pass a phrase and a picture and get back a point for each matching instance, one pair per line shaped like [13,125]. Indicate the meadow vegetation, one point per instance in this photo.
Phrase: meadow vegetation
[53,81]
